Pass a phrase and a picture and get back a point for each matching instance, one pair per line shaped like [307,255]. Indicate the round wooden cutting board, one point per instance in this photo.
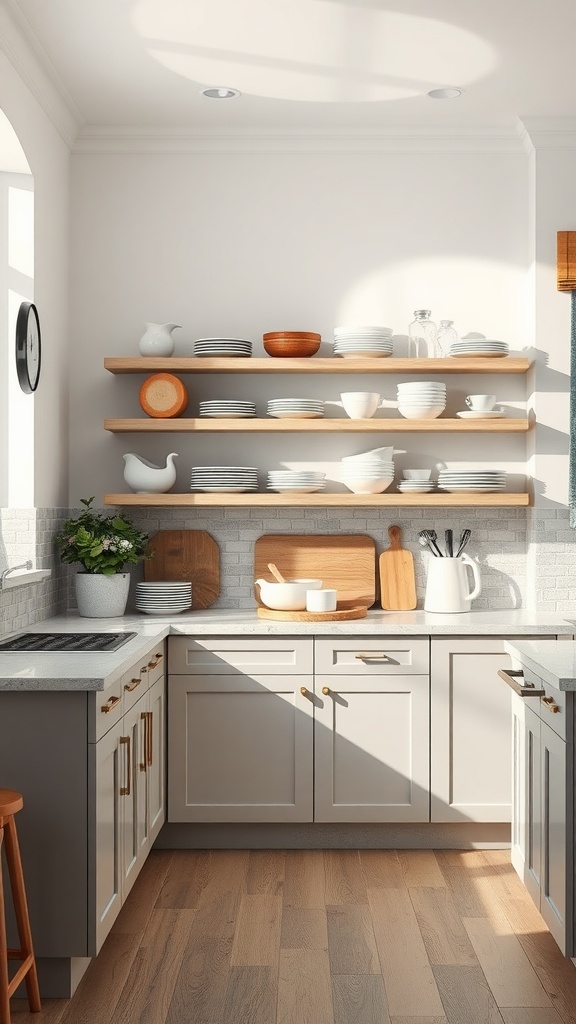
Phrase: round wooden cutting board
[340,614]
[163,395]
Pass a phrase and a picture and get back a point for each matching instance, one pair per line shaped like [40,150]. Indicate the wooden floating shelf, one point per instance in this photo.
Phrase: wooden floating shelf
[436,500]
[207,425]
[195,364]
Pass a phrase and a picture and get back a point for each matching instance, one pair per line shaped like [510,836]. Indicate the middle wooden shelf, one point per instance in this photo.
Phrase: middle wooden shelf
[205,425]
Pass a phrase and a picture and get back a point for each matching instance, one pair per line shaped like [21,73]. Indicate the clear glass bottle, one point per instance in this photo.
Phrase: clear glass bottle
[422,336]
[446,336]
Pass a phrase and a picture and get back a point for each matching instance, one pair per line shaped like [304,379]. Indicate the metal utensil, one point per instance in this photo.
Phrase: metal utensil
[464,538]
[430,538]
[425,543]
[449,541]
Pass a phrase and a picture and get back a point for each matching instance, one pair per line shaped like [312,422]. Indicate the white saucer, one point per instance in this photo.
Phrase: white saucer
[471,415]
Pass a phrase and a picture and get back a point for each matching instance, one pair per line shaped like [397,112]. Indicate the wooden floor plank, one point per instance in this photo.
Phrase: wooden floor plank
[445,937]
[359,999]
[304,928]
[250,996]
[265,873]
[466,996]
[344,879]
[51,1012]
[202,984]
[557,973]
[185,880]
[304,988]
[381,869]
[228,870]
[144,893]
[420,867]
[304,879]
[419,1020]
[508,971]
[463,882]
[410,986]
[351,943]
[257,937]
[148,991]
[530,1015]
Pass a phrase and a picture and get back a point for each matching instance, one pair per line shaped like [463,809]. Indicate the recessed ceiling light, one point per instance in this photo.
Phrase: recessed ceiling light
[220,92]
[444,94]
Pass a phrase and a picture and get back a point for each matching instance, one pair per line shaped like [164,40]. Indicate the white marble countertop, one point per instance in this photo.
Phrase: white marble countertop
[554,661]
[68,671]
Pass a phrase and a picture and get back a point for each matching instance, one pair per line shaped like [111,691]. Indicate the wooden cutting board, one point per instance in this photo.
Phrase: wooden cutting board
[186,555]
[344,562]
[397,581]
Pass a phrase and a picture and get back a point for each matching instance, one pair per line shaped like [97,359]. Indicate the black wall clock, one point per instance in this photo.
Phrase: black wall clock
[28,347]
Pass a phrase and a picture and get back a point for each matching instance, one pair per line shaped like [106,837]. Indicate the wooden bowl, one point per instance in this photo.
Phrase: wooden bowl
[291,336]
[291,349]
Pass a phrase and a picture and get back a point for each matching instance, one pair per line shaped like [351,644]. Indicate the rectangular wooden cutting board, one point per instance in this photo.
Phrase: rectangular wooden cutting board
[344,562]
[186,555]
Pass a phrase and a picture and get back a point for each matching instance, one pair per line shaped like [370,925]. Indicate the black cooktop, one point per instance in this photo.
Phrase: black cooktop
[59,642]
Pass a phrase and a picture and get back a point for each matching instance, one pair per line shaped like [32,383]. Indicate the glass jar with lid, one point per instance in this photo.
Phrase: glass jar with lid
[422,336]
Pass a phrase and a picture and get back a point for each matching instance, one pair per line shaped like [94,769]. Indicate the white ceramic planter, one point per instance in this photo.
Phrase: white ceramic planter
[102,597]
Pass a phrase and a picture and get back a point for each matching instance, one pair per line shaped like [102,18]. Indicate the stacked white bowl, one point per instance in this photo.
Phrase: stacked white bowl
[295,408]
[296,481]
[416,481]
[358,341]
[164,597]
[421,400]
[366,473]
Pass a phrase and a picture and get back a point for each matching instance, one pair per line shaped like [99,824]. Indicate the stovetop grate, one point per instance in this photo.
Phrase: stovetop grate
[66,642]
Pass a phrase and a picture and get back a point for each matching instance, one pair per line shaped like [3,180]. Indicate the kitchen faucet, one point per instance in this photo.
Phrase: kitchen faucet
[3,575]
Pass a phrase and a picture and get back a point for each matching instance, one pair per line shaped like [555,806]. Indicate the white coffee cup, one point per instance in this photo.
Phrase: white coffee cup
[360,405]
[321,600]
[481,403]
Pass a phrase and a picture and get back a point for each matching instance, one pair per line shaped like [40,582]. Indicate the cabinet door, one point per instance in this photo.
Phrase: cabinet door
[470,734]
[109,772]
[554,754]
[240,748]
[372,748]
[134,822]
[156,757]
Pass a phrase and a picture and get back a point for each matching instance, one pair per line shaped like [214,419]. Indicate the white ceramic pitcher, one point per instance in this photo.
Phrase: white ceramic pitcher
[157,340]
[447,586]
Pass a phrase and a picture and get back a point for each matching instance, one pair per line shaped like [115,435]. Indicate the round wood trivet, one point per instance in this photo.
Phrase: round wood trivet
[163,395]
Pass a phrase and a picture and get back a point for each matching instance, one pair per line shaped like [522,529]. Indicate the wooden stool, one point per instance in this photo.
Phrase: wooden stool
[10,803]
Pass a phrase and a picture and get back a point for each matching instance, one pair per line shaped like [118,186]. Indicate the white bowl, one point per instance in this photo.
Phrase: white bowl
[360,486]
[417,474]
[286,597]
[413,412]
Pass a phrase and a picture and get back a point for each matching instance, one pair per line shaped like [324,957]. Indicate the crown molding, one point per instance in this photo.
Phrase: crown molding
[551,133]
[150,139]
[31,62]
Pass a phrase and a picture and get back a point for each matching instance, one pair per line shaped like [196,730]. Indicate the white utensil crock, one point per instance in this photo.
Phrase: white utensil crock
[447,587]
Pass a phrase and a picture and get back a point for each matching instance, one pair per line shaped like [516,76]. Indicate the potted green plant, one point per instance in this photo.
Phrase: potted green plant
[103,545]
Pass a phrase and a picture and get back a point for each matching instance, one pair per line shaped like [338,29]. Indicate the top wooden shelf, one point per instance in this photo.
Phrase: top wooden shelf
[195,364]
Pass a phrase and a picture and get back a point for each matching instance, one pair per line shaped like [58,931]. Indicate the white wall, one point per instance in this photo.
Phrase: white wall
[48,156]
[243,243]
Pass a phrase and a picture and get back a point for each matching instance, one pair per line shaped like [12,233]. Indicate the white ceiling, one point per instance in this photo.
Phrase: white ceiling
[308,65]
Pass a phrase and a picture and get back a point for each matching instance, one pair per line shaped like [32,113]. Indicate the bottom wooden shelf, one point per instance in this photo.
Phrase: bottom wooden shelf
[435,500]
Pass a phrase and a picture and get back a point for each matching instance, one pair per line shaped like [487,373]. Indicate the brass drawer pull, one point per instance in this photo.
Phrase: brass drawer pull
[303,691]
[551,704]
[144,761]
[150,720]
[129,687]
[110,703]
[326,690]
[370,656]
[523,689]
[126,790]
[157,659]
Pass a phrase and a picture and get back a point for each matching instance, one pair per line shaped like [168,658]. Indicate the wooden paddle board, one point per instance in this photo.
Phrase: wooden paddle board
[344,562]
[186,555]
[397,581]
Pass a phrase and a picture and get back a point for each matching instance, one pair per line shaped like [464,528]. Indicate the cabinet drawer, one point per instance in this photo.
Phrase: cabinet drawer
[372,656]
[105,709]
[212,656]
[156,663]
[135,683]
[552,707]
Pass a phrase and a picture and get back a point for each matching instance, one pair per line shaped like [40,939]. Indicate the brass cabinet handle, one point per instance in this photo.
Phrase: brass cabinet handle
[523,689]
[551,704]
[126,790]
[132,684]
[110,703]
[144,761]
[370,656]
[303,691]
[150,720]
[157,659]
[325,690]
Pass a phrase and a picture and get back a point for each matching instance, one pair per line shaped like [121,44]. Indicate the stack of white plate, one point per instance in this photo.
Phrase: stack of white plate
[296,481]
[368,477]
[295,408]
[361,342]
[472,481]
[470,347]
[421,400]
[227,409]
[163,597]
[415,486]
[222,347]
[225,479]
